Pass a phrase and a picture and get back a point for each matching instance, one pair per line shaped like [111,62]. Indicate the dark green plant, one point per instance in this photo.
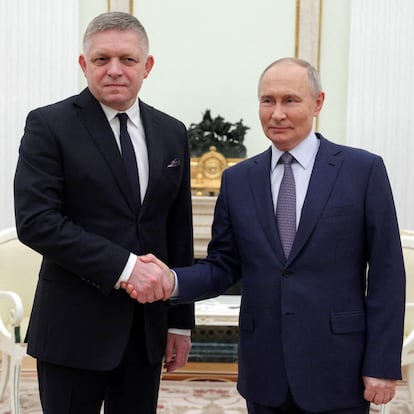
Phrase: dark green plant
[227,137]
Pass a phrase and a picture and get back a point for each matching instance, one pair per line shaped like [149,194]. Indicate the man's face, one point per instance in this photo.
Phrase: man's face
[287,105]
[115,65]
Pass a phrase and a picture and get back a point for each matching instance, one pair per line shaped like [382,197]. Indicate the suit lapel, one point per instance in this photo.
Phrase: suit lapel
[153,137]
[94,120]
[259,181]
[325,170]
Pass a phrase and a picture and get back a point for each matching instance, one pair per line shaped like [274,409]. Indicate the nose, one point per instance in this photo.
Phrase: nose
[114,67]
[278,113]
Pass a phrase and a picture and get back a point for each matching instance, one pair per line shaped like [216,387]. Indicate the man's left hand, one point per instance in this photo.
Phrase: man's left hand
[177,351]
[379,390]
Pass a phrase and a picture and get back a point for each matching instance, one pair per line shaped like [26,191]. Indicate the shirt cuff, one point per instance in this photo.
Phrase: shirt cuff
[186,332]
[126,273]
[175,292]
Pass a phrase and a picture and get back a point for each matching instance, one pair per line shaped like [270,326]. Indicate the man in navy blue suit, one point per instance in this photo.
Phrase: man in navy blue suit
[321,320]
[77,205]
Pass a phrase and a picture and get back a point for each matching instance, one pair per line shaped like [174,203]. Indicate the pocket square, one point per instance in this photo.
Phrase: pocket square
[176,162]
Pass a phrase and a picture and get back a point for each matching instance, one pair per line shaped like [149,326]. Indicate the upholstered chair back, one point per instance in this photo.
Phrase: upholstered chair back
[407,239]
[19,269]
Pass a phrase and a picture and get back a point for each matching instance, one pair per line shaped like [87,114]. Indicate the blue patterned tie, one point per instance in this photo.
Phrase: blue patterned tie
[129,158]
[286,205]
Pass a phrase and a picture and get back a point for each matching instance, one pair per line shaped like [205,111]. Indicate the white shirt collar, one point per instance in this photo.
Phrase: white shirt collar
[304,152]
[133,113]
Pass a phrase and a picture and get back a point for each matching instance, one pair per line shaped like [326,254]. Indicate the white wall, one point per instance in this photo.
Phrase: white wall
[333,68]
[209,55]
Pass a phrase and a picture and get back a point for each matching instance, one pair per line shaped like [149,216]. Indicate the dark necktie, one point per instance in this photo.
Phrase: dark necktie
[286,205]
[129,158]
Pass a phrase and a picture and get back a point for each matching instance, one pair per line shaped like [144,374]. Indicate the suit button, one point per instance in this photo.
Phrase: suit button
[287,273]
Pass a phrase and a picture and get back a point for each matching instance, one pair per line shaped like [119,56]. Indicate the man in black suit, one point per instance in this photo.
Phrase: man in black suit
[75,204]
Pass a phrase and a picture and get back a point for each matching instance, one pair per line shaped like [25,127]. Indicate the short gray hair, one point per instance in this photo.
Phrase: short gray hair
[313,75]
[116,21]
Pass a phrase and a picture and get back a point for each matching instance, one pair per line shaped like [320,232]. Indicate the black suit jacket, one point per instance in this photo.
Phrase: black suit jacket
[73,206]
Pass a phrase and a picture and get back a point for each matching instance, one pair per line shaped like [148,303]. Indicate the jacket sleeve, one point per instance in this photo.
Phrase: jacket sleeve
[42,218]
[180,242]
[385,296]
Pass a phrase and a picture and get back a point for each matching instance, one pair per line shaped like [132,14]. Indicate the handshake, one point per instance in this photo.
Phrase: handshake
[150,280]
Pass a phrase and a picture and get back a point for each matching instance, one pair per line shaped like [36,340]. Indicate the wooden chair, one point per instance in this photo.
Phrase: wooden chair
[19,268]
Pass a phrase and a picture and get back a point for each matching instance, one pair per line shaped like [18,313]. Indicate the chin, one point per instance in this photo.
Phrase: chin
[282,144]
[280,139]
[118,104]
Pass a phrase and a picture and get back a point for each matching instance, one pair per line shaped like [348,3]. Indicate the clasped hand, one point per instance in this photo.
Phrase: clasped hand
[150,280]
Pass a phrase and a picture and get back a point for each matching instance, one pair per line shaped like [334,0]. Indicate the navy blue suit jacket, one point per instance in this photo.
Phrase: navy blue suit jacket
[334,310]
[73,206]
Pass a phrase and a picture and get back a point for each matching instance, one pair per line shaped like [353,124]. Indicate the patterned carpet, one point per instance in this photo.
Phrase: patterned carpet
[190,397]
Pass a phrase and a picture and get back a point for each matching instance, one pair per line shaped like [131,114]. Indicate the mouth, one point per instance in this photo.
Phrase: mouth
[278,129]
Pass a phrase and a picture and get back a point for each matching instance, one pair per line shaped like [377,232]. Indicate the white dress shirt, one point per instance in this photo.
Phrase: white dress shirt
[137,134]
[302,166]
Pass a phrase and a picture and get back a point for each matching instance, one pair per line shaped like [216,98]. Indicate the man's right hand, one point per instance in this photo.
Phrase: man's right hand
[150,280]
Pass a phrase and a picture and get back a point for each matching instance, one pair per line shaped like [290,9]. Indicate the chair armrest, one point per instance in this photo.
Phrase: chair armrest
[16,315]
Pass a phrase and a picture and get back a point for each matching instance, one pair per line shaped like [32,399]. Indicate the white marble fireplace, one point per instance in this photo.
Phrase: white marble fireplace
[203,210]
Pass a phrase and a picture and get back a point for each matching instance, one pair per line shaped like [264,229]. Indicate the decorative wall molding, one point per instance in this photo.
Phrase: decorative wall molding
[126,6]
[308,29]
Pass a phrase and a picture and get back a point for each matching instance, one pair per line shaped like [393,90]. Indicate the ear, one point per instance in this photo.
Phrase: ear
[148,65]
[82,63]
[319,103]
